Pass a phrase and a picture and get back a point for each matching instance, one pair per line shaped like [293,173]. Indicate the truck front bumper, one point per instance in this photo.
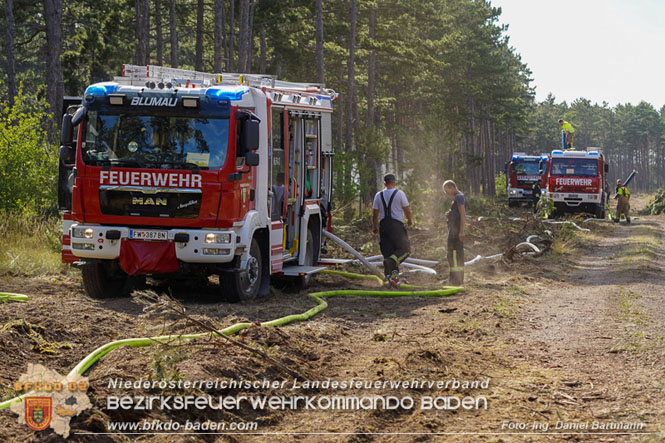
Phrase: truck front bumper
[519,194]
[573,200]
[105,242]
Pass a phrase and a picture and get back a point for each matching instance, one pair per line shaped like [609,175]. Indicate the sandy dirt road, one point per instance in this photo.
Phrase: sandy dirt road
[565,346]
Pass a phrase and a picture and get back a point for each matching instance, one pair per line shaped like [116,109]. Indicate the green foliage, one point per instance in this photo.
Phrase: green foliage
[28,164]
[500,185]
[656,204]
[545,206]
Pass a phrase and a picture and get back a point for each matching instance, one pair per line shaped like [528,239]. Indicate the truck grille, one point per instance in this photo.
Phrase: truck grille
[141,201]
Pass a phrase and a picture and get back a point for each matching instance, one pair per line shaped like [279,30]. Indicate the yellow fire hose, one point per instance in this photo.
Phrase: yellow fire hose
[318,297]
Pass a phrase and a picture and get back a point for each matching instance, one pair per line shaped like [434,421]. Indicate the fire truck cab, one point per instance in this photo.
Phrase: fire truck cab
[577,181]
[522,172]
[172,171]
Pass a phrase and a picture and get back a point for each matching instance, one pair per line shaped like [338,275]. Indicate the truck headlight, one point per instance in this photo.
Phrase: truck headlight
[82,232]
[218,237]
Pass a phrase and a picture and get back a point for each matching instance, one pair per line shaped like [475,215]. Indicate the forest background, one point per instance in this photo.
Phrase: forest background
[430,89]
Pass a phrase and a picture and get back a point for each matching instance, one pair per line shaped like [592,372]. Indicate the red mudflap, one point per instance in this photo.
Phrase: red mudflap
[148,257]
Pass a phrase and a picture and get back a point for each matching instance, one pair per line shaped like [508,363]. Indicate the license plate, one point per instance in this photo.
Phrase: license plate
[140,234]
[572,195]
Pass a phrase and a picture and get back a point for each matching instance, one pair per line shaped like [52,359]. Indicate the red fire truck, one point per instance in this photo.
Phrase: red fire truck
[168,171]
[522,172]
[576,181]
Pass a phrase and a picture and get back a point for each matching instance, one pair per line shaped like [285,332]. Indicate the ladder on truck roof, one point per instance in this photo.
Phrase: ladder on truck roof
[139,75]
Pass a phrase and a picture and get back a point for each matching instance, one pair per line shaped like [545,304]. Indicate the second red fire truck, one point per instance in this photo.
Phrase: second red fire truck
[522,173]
[577,181]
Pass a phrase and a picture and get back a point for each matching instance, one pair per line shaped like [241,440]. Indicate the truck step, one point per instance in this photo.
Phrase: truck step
[301,271]
[334,261]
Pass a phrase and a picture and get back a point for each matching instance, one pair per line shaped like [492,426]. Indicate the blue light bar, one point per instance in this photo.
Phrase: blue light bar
[557,152]
[101,89]
[592,154]
[235,93]
[516,157]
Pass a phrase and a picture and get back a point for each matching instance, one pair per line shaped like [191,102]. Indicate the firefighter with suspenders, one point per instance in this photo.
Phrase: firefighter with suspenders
[390,206]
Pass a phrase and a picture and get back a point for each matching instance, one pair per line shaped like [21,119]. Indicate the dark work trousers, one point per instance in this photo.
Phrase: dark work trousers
[394,242]
[393,239]
[455,256]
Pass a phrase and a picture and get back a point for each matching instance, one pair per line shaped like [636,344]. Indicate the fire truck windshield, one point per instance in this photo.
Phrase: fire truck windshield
[524,167]
[581,167]
[155,141]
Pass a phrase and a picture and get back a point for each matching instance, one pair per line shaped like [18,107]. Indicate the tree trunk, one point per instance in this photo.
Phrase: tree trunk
[146,30]
[231,67]
[9,45]
[54,82]
[350,94]
[198,64]
[320,68]
[158,32]
[174,34]
[219,35]
[139,57]
[243,42]
[373,164]
[371,68]
[250,38]
[263,50]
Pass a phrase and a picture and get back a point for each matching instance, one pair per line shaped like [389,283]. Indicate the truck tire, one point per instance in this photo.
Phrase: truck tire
[512,203]
[312,252]
[104,280]
[600,211]
[244,284]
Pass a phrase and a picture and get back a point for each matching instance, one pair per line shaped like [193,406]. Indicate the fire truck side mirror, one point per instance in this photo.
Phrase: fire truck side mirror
[67,130]
[252,159]
[541,170]
[607,167]
[248,133]
[66,155]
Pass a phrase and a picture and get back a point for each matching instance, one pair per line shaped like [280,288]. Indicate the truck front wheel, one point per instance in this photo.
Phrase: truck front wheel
[600,212]
[104,279]
[244,283]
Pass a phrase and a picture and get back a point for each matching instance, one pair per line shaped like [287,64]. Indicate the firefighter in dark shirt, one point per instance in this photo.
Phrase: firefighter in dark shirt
[390,206]
[456,224]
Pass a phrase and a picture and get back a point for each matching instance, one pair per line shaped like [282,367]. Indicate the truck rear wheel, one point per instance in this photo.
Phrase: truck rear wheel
[244,284]
[103,279]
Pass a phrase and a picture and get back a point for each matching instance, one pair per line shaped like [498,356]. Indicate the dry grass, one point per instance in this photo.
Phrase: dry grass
[30,246]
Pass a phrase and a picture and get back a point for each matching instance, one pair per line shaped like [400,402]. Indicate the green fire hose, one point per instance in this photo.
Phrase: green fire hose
[318,297]
[6,297]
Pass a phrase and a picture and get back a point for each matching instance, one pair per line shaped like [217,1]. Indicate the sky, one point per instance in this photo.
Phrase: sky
[602,50]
